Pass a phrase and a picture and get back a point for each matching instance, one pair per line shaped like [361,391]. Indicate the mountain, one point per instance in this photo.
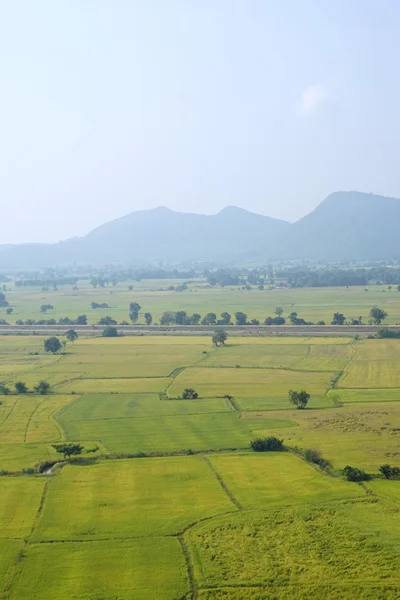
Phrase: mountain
[153,235]
[345,226]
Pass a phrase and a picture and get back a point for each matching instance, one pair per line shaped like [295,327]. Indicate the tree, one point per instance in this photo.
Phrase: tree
[135,307]
[377,314]
[148,318]
[338,318]
[4,390]
[71,335]
[20,387]
[189,394]
[194,319]
[107,321]
[299,399]
[68,450]
[110,331]
[268,444]
[354,474]
[240,318]
[209,319]
[225,319]
[3,301]
[134,316]
[390,472]
[81,320]
[279,311]
[293,318]
[398,288]
[45,307]
[42,388]
[180,317]
[219,337]
[167,318]
[130,288]
[52,344]
[9,310]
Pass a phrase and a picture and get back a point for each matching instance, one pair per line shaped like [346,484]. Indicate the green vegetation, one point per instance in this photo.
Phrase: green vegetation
[161,495]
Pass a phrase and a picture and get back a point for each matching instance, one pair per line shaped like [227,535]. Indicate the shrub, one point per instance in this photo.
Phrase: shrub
[388,333]
[315,457]
[354,474]
[189,394]
[390,472]
[268,444]
[110,331]
[299,399]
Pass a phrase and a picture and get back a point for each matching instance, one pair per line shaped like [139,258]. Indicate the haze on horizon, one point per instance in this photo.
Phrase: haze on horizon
[111,107]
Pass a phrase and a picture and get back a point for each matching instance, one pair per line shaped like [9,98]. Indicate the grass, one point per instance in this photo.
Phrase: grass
[123,499]
[103,570]
[169,433]
[294,548]
[310,303]
[19,504]
[248,382]
[256,526]
[259,480]
[101,406]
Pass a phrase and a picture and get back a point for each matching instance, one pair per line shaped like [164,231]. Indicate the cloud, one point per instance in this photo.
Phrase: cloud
[313,97]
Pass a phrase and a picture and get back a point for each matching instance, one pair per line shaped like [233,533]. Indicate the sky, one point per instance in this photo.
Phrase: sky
[112,106]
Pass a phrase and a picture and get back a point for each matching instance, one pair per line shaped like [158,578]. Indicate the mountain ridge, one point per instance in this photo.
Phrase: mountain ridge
[344,226]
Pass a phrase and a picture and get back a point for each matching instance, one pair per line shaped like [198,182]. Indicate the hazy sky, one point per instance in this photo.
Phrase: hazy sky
[110,106]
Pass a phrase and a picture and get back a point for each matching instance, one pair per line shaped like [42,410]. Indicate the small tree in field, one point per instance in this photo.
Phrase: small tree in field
[279,311]
[148,318]
[299,399]
[189,394]
[42,387]
[68,450]
[110,331]
[268,444]
[71,335]
[377,315]
[52,344]
[20,387]
[219,337]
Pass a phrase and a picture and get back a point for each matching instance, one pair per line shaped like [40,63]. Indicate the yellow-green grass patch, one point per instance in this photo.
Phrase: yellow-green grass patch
[251,383]
[19,504]
[326,358]
[362,435]
[42,426]
[168,433]
[10,553]
[278,403]
[14,427]
[349,396]
[256,356]
[354,543]
[116,386]
[310,591]
[388,349]
[371,374]
[103,569]
[258,480]
[132,358]
[130,498]
[385,488]
[113,406]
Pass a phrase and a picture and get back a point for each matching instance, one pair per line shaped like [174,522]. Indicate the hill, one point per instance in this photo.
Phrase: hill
[153,235]
[345,226]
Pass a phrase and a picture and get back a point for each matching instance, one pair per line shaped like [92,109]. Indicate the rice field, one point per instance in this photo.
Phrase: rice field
[168,502]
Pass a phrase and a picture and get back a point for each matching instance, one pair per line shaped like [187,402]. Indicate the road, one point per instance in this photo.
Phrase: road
[204,330]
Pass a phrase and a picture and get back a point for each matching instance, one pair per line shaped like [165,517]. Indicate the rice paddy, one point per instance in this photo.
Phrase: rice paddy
[167,501]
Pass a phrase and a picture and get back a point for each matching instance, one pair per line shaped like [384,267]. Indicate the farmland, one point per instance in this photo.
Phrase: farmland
[167,500]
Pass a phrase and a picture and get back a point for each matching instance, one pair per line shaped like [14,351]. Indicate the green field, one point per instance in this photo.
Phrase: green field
[313,304]
[167,500]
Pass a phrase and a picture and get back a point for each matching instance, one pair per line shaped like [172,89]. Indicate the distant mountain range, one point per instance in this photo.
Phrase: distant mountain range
[345,226]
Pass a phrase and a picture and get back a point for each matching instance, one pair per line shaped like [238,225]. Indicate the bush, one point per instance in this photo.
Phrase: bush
[110,331]
[268,444]
[388,333]
[354,474]
[189,394]
[390,472]
[315,457]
